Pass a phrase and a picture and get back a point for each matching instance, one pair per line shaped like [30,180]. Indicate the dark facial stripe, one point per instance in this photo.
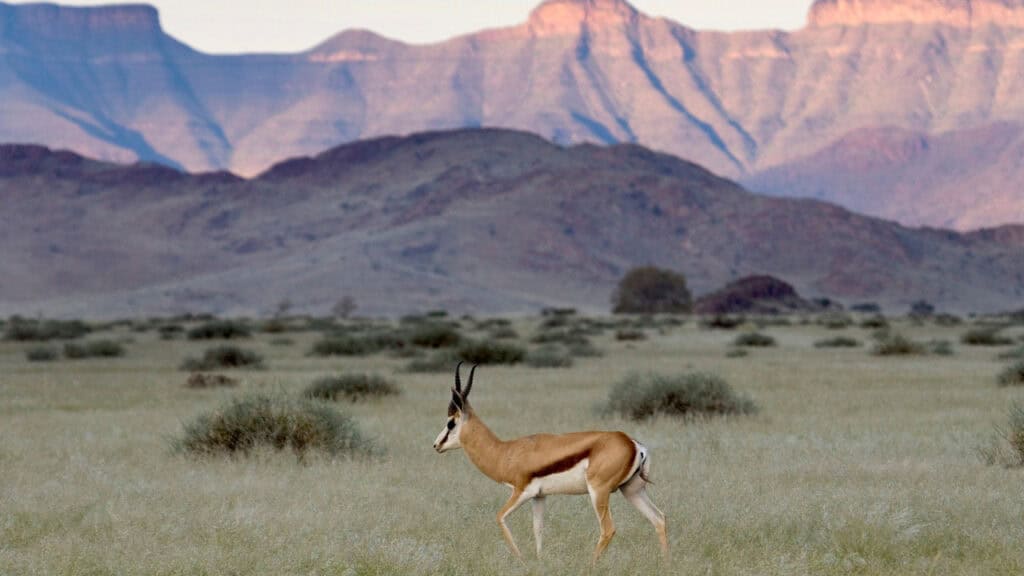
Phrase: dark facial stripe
[561,465]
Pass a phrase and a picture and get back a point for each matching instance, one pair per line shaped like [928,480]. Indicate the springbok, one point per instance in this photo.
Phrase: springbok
[595,463]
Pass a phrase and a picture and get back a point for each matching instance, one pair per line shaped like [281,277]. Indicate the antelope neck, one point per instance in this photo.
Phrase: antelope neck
[484,449]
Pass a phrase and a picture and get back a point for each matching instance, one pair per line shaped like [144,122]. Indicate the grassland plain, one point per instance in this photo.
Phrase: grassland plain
[854,465]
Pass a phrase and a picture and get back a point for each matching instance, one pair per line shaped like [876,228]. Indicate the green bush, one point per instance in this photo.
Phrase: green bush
[491,352]
[22,330]
[584,349]
[985,337]
[722,322]
[170,331]
[220,330]
[244,424]
[840,342]
[440,361]
[630,335]
[836,321]
[94,349]
[940,347]
[1007,445]
[737,353]
[351,387]
[341,346]
[200,380]
[549,357]
[41,354]
[754,340]
[1013,375]
[1015,354]
[435,335]
[223,357]
[686,395]
[651,290]
[503,333]
[897,345]
[875,323]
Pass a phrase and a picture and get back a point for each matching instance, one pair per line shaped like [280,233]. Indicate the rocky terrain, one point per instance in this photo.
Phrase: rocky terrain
[483,221]
[107,82]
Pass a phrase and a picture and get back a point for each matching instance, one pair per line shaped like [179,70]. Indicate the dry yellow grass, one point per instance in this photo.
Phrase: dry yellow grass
[854,465]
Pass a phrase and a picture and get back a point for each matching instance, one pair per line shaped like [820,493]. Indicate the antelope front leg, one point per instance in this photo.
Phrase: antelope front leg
[513,503]
[538,522]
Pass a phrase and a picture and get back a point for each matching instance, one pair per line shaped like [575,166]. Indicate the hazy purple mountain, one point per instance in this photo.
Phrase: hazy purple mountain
[109,83]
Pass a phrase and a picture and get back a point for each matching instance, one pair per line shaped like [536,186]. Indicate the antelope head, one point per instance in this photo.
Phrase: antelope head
[458,413]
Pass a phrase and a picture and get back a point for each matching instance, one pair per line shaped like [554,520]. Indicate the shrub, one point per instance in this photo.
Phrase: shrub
[94,349]
[584,349]
[41,354]
[985,337]
[491,352]
[351,387]
[435,335]
[341,346]
[722,322]
[897,345]
[651,290]
[875,323]
[836,321]
[200,380]
[549,357]
[737,353]
[170,331]
[940,347]
[220,330]
[922,308]
[244,424]
[21,330]
[561,336]
[754,340]
[840,342]
[1007,446]
[223,357]
[503,333]
[440,361]
[630,335]
[1013,375]
[685,395]
[1015,354]
[281,342]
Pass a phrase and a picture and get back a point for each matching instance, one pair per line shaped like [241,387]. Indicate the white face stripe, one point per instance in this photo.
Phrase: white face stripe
[448,439]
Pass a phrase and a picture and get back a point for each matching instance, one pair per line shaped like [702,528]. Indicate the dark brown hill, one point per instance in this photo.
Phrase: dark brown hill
[753,295]
[478,220]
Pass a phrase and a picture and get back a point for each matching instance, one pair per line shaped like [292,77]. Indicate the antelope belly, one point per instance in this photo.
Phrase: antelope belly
[571,481]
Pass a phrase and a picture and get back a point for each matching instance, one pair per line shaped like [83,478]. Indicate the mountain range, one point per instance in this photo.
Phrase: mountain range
[905,109]
[482,221]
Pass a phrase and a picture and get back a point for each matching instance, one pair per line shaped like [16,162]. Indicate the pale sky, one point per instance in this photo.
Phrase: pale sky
[224,26]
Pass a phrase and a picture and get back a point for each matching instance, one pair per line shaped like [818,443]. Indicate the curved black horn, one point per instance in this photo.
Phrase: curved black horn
[469,385]
[458,380]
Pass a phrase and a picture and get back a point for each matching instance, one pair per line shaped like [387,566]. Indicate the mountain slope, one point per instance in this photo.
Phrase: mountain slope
[912,177]
[481,221]
[109,83]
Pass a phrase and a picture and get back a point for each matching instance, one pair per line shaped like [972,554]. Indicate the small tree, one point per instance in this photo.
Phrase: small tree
[283,308]
[651,290]
[922,308]
[344,307]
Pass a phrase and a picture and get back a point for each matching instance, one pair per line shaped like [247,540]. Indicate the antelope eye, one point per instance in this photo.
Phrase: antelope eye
[451,424]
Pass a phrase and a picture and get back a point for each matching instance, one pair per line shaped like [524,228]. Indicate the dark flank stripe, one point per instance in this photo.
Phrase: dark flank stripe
[560,465]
